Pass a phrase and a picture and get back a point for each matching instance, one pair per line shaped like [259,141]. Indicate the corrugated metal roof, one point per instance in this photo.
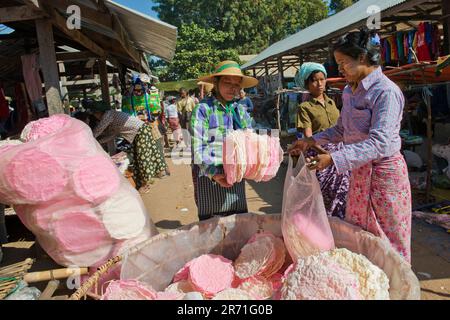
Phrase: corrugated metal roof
[341,20]
[147,34]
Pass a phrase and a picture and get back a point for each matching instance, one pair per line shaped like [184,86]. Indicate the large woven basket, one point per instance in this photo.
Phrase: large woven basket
[156,260]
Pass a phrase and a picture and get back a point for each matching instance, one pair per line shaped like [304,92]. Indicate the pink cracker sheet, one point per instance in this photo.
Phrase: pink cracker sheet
[96,179]
[35,176]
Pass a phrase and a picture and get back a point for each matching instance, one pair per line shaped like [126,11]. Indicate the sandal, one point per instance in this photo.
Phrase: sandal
[145,189]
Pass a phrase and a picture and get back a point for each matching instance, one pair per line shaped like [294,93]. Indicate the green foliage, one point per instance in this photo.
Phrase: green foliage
[198,51]
[338,5]
[252,25]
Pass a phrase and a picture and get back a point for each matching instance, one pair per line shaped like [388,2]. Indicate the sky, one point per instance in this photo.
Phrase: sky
[143,6]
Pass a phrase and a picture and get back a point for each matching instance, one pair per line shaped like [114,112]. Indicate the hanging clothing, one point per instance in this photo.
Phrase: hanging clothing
[388,51]
[428,33]
[30,70]
[400,48]
[435,43]
[411,36]
[379,197]
[21,108]
[423,51]
[405,45]
[4,108]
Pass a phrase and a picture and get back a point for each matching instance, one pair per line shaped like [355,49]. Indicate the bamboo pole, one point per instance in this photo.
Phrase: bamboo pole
[278,112]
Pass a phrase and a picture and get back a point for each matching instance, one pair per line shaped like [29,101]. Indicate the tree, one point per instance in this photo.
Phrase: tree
[339,5]
[198,51]
[252,25]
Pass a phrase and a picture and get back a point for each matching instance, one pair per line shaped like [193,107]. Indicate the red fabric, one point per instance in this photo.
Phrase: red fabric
[423,51]
[21,107]
[4,110]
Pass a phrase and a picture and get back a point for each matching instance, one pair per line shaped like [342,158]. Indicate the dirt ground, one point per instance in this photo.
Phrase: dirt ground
[171,205]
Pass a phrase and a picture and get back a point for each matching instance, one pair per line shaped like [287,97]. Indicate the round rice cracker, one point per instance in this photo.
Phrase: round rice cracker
[44,127]
[24,175]
[210,274]
[263,156]
[80,231]
[128,290]
[183,287]
[278,261]
[123,215]
[183,273]
[96,179]
[251,146]
[229,159]
[169,296]
[241,158]
[258,287]
[278,258]
[233,294]
[254,258]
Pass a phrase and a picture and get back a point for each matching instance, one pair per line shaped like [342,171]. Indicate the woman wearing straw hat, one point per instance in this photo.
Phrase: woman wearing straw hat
[316,115]
[210,121]
[148,158]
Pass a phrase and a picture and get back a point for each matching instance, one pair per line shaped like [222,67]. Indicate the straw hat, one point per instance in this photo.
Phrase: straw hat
[207,86]
[230,68]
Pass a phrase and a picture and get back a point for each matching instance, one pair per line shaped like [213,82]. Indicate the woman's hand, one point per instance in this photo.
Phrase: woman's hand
[320,162]
[301,145]
[221,180]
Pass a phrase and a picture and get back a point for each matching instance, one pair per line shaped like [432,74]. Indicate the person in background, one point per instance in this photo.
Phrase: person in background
[148,159]
[172,118]
[185,106]
[316,115]
[246,101]
[379,198]
[210,121]
[163,126]
[193,95]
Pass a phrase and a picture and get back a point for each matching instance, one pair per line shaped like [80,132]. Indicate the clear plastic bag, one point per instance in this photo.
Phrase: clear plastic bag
[305,225]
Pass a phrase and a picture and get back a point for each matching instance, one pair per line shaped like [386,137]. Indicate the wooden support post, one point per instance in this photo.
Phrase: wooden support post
[254,72]
[446,23]
[280,70]
[104,80]
[266,68]
[300,58]
[48,65]
[64,91]
[278,112]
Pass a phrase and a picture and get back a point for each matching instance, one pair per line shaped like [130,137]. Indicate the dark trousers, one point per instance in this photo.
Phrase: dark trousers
[3,233]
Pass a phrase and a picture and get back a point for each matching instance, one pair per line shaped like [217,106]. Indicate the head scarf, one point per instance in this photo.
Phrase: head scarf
[305,71]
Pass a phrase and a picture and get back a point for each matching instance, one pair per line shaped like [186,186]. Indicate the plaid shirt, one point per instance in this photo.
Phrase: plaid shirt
[369,124]
[210,122]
